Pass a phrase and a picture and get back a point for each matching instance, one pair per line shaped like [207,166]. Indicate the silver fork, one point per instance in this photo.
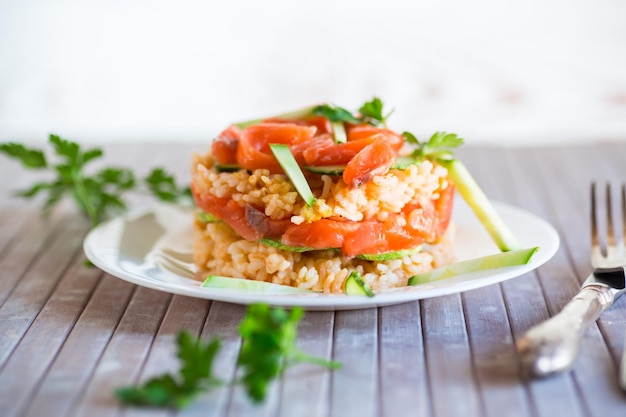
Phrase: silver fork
[553,345]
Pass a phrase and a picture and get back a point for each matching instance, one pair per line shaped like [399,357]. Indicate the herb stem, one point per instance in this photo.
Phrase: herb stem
[300,356]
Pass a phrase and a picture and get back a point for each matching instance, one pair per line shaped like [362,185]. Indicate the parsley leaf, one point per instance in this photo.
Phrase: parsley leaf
[438,148]
[335,113]
[179,390]
[372,112]
[97,195]
[269,336]
[163,185]
[29,158]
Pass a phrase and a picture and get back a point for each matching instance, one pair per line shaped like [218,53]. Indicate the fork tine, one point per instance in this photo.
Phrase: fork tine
[610,234]
[594,220]
[623,216]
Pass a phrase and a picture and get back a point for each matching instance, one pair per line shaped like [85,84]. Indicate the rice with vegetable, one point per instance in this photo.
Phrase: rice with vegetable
[372,210]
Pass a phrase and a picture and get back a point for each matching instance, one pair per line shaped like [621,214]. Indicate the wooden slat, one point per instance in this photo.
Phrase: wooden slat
[306,387]
[25,251]
[451,376]
[354,390]
[14,223]
[30,294]
[68,377]
[46,335]
[125,353]
[403,377]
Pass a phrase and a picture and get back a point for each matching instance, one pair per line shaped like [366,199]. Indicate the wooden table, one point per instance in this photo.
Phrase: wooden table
[70,334]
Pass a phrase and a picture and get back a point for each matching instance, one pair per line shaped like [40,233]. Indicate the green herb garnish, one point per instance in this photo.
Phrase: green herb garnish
[439,147]
[98,194]
[163,185]
[179,390]
[268,348]
[269,337]
[372,112]
[335,113]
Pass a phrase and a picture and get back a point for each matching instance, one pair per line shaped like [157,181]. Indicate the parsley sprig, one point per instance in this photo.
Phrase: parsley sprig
[98,194]
[268,347]
[439,147]
[178,390]
[371,112]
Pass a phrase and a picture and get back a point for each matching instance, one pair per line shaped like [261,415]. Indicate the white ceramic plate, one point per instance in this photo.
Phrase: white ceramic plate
[128,247]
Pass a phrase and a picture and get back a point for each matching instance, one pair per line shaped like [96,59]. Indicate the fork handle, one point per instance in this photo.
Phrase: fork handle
[553,345]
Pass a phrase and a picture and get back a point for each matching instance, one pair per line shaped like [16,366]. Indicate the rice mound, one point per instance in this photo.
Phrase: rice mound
[219,250]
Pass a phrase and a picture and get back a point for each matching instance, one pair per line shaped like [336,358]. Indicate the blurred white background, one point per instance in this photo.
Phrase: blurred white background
[501,72]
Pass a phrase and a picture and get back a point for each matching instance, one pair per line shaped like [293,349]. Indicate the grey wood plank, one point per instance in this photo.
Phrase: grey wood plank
[39,346]
[306,387]
[16,213]
[25,251]
[30,294]
[403,379]
[125,353]
[494,354]
[452,381]
[68,376]
[354,390]
[15,222]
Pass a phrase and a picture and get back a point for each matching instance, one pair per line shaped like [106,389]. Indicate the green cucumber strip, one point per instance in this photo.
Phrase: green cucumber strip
[480,204]
[402,162]
[355,285]
[292,169]
[296,114]
[279,245]
[217,281]
[497,260]
[227,168]
[339,132]
[328,169]
[389,256]
[205,217]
